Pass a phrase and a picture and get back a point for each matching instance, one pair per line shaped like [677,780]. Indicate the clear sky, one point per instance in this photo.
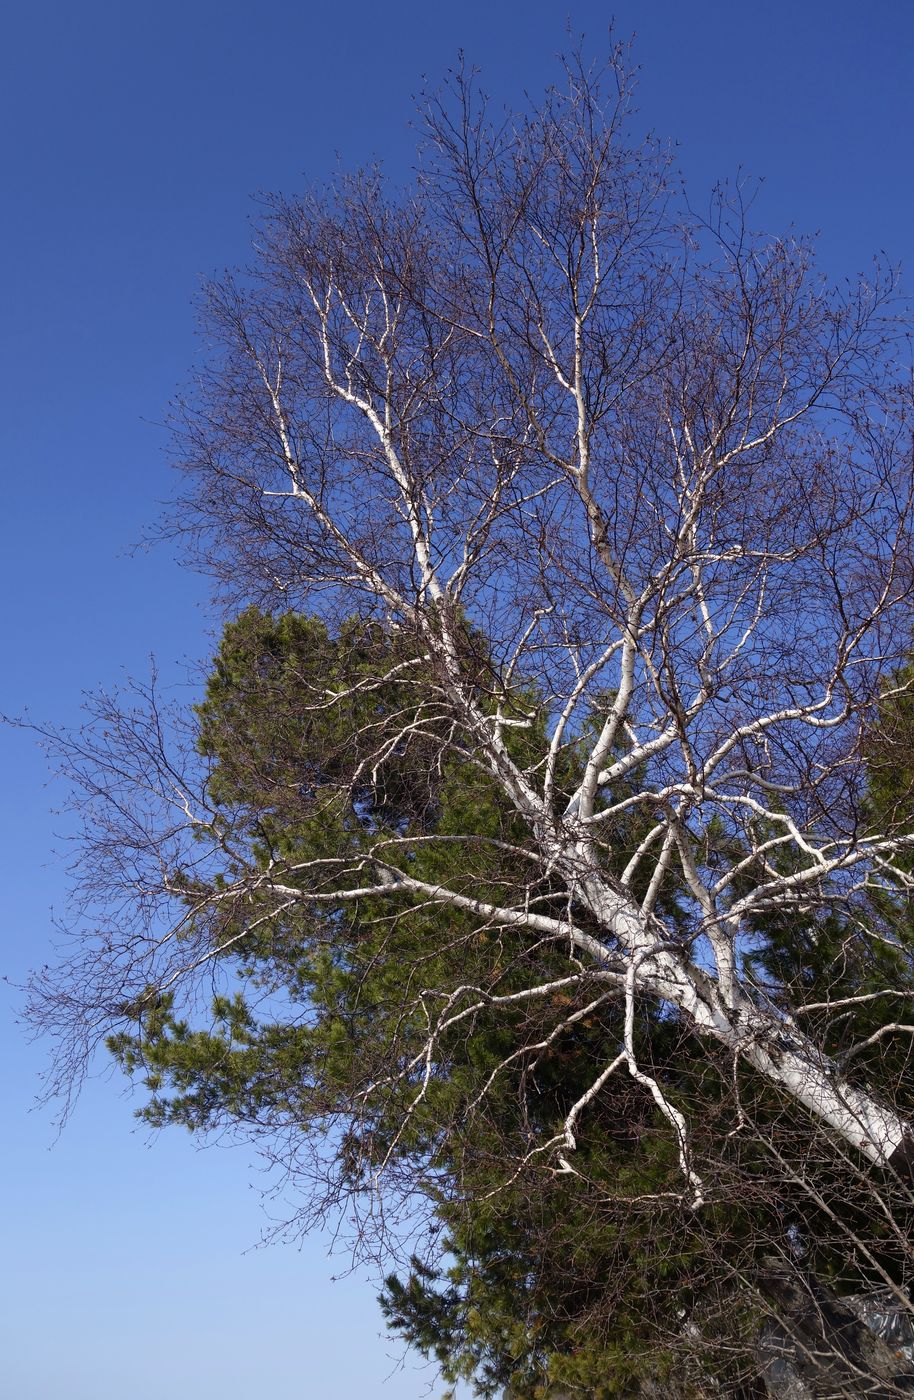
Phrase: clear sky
[133,137]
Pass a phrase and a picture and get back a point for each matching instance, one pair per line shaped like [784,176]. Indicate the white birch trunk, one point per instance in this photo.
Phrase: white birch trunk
[774,1047]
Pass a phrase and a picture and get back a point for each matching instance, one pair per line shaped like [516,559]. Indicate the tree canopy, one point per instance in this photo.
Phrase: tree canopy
[531,881]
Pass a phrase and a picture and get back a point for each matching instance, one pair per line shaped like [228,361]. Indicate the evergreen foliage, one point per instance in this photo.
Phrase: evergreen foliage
[545,1283]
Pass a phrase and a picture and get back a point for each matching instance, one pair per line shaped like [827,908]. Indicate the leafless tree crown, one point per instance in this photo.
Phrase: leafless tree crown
[665,472]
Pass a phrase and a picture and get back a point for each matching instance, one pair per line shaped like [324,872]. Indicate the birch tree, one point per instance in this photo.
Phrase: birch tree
[623,495]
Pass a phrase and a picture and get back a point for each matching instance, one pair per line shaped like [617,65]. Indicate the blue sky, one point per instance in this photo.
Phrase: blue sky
[133,137]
